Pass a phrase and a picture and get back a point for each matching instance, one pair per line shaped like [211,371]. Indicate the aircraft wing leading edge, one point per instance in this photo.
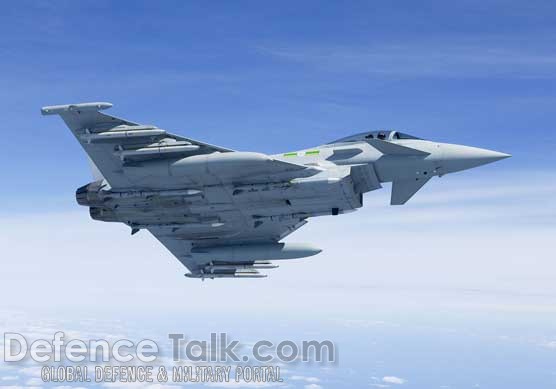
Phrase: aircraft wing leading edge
[88,124]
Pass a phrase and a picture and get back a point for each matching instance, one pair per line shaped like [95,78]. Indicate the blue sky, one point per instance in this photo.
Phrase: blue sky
[463,273]
[277,77]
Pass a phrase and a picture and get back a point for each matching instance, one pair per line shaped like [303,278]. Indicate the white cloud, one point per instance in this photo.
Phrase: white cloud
[312,386]
[550,344]
[68,387]
[20,387]
[304,378]
[34,382]
[33,371]
[360,323]
[9,378]
[393,380]
[139,385]
[243,384]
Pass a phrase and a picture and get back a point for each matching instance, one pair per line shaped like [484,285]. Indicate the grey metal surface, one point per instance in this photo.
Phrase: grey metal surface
[224,213]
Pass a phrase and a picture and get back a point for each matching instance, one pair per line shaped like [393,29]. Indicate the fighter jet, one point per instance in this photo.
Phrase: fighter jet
[225,213]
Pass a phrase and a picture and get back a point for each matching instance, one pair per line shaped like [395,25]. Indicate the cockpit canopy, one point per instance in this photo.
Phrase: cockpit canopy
[383,135]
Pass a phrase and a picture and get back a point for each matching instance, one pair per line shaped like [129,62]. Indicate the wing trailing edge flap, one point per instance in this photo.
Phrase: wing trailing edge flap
[403,190]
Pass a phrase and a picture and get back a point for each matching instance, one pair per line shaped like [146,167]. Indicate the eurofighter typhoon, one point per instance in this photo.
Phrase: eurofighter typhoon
[224,213]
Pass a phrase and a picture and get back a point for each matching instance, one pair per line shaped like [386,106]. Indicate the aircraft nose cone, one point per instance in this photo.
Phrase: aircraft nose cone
[457,157]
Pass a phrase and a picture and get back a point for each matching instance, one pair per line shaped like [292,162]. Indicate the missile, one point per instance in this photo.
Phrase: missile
[256,188]
[192,224]
[290,216]
[156,151]
[121,135]
[316,181]
[125,127]
[93,195]
[238,266]
[109,195]
[263,265]
[252,252]
[296,182]
[226,275]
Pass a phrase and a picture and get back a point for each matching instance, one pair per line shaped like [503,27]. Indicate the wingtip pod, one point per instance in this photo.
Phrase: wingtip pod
[58,109]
